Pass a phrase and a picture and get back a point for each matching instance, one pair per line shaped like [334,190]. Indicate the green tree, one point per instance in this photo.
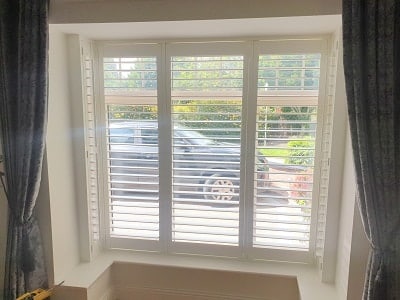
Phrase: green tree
[220,73]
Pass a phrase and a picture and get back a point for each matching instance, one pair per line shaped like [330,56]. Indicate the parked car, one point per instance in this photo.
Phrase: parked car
[202,168]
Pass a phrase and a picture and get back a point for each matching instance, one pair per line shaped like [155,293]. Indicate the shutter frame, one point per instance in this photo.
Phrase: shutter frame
[284,99]
[91,140]
[326,154]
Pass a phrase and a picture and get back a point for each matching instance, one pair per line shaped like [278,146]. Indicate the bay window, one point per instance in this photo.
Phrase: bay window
[212,147]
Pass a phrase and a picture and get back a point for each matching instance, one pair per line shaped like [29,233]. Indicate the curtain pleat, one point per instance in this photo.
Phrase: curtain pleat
[23,117]
[371,62]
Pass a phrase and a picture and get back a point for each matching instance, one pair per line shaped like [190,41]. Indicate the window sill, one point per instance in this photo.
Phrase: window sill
[85,275]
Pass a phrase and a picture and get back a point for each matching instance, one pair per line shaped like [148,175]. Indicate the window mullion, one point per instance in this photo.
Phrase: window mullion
[165,148]
[248,148]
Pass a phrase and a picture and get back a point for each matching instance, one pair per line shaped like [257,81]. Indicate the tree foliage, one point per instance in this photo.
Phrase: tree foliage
[219,73]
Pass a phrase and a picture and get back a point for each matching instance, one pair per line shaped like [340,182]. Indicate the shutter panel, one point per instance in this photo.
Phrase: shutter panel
[91,141]
[130,87]
[206,123]
[286,132]
[326,153]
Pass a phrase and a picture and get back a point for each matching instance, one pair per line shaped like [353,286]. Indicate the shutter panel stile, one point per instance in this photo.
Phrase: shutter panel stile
[326,154]
[91,141]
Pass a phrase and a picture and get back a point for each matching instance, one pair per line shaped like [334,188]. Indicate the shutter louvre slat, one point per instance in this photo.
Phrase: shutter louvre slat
[285,138]
[133,157]
[91,146]
[206,174]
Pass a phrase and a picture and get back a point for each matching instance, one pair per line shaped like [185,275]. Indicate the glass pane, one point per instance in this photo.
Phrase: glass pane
[285,142]
[132,144]
[206,118]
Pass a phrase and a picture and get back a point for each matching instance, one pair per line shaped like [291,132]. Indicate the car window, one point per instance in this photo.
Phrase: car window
[121,135]
[150,136]
[194,137]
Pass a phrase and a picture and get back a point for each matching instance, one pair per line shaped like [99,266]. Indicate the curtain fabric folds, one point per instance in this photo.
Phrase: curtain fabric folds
[371,42]
[23,117]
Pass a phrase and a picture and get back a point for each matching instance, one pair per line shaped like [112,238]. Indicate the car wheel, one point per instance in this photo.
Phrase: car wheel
[220,187]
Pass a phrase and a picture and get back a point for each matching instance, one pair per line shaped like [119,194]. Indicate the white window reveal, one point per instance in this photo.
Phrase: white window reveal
[213,148]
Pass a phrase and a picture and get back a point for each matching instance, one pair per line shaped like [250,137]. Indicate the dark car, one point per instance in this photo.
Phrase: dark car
[202,168]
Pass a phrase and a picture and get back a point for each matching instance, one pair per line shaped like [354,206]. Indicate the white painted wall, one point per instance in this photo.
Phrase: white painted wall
[61,186]
[346,222]
[353,247]
[89,11]
[358,258]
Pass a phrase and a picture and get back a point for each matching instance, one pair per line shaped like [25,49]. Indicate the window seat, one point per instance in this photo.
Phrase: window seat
[123,275]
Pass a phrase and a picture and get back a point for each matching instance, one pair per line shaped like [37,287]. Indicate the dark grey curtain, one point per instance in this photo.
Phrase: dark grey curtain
[371,42]
[23,117]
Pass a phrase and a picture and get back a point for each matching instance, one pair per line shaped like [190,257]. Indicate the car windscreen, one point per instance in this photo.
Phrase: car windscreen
[194,137]
[120,135]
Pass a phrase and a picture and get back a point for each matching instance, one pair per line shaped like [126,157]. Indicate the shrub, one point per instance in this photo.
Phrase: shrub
[301,191]
[301,152]
[301,185]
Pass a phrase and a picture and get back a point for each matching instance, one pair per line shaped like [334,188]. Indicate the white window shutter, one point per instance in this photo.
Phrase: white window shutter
[174,137]
[130,87]
[326,154]
[90,140]
[206,123]
[286,131]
